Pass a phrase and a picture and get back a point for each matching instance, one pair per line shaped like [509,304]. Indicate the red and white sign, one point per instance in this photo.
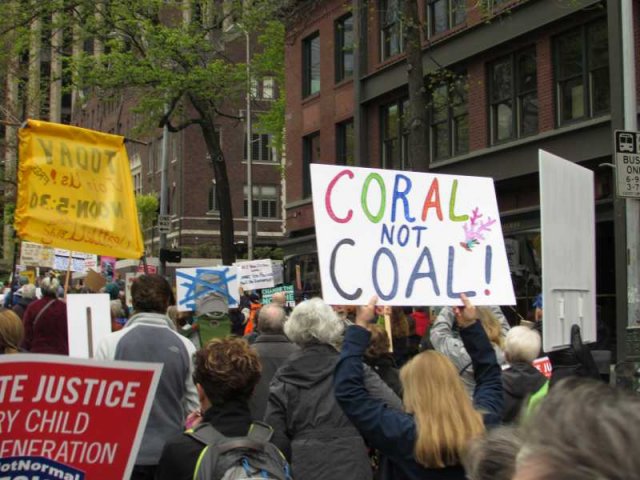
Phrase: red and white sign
[151,269]
[83,414]
[543,364]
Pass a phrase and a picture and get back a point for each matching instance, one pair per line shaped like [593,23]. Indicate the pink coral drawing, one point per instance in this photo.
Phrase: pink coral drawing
[475,229]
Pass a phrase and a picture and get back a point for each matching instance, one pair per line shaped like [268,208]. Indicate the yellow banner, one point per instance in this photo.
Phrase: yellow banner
[75,191]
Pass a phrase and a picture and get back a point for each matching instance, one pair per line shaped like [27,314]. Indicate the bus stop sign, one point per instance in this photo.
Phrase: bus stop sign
[627,147]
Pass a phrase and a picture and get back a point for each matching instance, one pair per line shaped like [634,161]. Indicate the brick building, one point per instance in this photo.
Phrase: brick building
[521,76]
[37,90]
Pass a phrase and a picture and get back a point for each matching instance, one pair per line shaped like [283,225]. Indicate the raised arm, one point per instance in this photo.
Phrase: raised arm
[488,395]
[387,429]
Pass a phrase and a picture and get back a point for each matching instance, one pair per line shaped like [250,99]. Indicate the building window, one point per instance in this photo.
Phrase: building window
[513,96]
[268,88]
[261,150]
[263,89]
[394,136]
[390,28]
[311,65]
[344,144]
[344,48]
[449,132]
[265,201]
[582,72]
[310,154]
[214,205]
[443,15]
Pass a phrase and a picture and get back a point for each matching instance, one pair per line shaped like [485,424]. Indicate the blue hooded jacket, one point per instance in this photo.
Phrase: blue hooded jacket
[394,432]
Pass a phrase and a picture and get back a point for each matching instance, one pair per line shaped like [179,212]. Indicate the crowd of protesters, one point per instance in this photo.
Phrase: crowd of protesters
[449,396]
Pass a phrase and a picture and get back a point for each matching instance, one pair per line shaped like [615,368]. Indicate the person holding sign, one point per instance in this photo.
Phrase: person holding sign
[429,438]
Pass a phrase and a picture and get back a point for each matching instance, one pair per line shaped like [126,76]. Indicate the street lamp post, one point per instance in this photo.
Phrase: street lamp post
[249,151]
[163,191]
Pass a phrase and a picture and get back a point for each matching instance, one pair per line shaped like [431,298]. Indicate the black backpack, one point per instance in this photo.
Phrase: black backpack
[239,458]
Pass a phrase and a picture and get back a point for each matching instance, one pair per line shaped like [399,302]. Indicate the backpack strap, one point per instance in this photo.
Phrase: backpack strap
[536,398]
[206,434]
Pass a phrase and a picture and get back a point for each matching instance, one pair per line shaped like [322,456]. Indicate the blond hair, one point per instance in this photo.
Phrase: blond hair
[11,331]
[491,326]
[446,420]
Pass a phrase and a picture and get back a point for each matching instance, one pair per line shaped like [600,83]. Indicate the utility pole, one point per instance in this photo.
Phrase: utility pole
[249,152]
[626,210]
[631,123]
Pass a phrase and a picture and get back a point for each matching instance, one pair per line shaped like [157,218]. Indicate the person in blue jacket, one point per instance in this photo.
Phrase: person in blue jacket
[428,441]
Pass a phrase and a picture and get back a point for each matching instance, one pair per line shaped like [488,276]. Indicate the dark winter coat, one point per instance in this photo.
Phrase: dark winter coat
[519,382]
[20,305]
[309,426]
[394,432]
[273,350]
[49,333]
[180,454]
[386,368]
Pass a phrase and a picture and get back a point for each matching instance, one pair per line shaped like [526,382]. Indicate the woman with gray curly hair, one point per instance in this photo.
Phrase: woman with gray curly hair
[309,426]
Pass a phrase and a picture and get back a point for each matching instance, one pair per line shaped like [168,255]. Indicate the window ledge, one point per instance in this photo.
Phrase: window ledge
[298,203]
[437,37]
[342,83]
[263,162]
[592,122]
[391,60]
[311,98]
[213,213]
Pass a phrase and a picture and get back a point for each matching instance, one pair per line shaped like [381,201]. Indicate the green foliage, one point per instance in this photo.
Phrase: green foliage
[9,213]
[268,252]
[147,210]
[271,62]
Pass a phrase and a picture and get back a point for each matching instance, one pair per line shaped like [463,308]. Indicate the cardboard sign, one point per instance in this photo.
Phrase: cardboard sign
[267,294]
[194,284]
[409,238]
[567,214]
[255,274]
[84,416]
[75,191]
[89,320]
[94,281]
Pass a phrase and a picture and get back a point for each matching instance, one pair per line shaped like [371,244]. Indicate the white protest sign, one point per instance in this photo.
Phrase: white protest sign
[78,260]
[409,238]
[194,284]
[255,274]
[36,255]
[88,320]
[567,213]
